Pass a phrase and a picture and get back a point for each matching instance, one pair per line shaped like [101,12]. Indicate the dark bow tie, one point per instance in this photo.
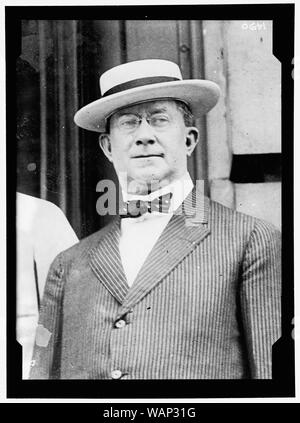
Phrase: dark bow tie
[136,208]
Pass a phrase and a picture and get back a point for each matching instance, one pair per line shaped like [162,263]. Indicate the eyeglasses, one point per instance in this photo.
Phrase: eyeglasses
[130,123]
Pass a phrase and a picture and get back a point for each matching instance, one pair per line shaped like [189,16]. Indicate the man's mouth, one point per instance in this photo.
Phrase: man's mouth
[146,156]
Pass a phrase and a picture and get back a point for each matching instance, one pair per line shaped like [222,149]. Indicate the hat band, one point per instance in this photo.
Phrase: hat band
[139,83]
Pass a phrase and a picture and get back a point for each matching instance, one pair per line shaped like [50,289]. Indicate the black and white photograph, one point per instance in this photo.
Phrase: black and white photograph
[153,152]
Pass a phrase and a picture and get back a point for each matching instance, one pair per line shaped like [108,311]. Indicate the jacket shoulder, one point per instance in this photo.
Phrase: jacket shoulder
[230,218]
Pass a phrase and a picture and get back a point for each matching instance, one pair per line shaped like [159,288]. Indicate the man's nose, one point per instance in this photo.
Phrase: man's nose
[144,133]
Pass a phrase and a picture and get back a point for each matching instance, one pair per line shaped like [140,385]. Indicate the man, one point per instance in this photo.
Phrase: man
[177,286]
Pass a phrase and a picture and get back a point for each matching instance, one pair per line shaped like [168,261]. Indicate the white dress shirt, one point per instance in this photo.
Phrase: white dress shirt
[139,234]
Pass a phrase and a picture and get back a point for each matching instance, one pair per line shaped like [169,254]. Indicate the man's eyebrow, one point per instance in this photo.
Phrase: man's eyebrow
[119,114]
[158,110]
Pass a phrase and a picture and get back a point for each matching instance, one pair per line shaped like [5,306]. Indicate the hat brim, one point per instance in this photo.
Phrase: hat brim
[200,95]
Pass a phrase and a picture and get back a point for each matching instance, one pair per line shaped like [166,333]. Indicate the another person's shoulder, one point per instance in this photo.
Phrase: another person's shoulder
[28,204]
[33,212]
[45,225]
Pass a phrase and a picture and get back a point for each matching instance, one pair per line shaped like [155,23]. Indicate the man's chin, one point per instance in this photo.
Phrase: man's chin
[146,176]
[144,182]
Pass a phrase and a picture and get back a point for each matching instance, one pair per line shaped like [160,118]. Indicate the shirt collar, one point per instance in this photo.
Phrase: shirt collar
[180,188]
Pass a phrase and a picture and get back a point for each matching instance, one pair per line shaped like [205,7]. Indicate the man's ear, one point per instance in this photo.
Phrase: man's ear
[104,142]
[192,138]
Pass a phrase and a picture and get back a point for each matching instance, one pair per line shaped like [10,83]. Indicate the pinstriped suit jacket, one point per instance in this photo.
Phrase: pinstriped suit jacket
[205,304]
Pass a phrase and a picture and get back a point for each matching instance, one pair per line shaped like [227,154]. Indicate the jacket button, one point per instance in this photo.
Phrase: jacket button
[116,374]
[120,324]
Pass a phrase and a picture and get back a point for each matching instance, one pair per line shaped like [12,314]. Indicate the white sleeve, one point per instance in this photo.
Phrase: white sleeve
[53,234]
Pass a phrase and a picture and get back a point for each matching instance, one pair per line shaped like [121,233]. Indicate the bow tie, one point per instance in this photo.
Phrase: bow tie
[136,208]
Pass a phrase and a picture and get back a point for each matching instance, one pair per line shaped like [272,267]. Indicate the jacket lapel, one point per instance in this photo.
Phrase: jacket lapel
[106,263]
[187,228]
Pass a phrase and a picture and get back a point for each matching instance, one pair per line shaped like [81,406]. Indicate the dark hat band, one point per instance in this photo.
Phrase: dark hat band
[139,83]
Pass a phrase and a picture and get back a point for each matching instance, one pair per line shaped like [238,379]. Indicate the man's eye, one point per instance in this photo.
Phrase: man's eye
[160,120]
[128,122]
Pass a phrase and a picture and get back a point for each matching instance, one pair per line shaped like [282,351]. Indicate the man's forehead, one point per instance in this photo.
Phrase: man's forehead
[148,106]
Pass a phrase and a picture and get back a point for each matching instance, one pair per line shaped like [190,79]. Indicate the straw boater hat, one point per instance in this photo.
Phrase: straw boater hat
[145,80]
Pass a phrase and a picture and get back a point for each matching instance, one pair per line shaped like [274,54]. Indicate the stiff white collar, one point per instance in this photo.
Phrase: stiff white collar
[180,188]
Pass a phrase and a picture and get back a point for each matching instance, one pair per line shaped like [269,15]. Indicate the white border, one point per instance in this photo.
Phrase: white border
[3,205]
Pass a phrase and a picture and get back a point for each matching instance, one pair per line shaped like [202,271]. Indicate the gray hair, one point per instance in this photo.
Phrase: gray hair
[187,115]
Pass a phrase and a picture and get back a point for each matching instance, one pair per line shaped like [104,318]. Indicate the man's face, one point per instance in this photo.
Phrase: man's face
[149,142]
